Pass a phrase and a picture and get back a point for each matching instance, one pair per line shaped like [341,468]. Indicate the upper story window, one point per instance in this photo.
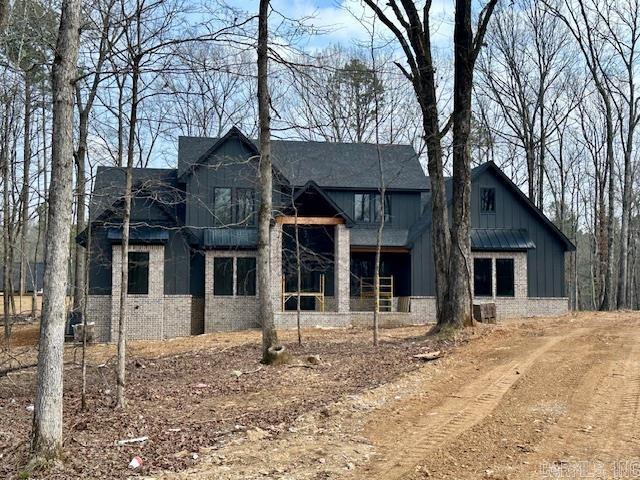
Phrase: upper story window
[222,210]
[138,276]
[234,206]
[245,206]
[488,200]
[367,207]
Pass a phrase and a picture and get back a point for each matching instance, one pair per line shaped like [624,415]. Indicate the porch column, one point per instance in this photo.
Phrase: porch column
[276,266]
[342,267]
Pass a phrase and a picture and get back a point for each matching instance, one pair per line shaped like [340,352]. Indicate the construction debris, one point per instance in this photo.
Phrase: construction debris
[127,441]
[428,356]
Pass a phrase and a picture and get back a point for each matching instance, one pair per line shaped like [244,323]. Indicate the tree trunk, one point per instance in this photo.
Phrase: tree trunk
[623,263]
[47,418]
[80,279]
[269,335]
[460,270]
[608,297]
[6,271]
[25,185]
[440,234]
[124,258]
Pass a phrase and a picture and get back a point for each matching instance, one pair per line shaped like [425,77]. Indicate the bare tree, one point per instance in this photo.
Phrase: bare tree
[269,335]
[46,439]
[575,15]
[103,24]
[451,249]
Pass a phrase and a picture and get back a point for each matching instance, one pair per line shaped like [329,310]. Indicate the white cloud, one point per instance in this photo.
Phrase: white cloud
[347,21]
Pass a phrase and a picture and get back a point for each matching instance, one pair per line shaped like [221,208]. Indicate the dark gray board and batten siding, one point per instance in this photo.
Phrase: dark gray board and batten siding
[545,262]
[177,252]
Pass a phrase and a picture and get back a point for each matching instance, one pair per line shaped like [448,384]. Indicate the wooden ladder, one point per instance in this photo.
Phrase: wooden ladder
[385,292]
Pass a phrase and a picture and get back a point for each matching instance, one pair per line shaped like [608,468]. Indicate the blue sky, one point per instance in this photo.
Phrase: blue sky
[340,19]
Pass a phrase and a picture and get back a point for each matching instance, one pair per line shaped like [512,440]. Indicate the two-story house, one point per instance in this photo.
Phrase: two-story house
[192,259]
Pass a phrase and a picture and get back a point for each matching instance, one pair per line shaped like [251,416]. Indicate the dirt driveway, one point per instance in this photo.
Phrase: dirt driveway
[537,399]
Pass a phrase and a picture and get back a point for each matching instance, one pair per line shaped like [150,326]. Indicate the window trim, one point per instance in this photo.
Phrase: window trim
[482,210]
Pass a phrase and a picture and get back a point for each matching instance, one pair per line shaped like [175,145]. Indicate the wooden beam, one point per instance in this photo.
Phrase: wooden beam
[291,220]
[383,250]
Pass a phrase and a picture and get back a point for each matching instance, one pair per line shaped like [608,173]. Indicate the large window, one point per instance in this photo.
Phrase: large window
[367,207]
[488,200]
[504,277]
[246,276]
[138,277]
[222,210]
[245,206]
[223,276]
[482,277]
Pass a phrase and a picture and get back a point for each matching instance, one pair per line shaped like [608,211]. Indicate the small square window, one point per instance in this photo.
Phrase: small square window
[504,277]
[138,276]
[488,200]
[223,276]
[482,277]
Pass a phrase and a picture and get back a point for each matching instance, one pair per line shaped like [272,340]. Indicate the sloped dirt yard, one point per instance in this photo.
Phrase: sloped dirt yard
[530,399]
[194,395]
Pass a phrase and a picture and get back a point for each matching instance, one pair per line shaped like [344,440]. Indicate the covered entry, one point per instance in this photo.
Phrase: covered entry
[311,239]
[395,278]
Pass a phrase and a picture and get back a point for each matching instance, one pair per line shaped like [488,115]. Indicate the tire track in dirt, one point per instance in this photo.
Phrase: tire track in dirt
[603,416]
[423,432]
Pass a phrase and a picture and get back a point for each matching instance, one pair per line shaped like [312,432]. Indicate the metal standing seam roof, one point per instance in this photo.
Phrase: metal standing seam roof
[367,237]
[500,239]
[230,238]
[140,234]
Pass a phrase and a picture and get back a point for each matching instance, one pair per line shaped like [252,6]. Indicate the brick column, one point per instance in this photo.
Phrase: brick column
[276,266]
[144,312]
[342,261]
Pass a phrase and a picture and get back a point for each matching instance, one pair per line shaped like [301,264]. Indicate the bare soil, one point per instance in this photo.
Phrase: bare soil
[545,398]
[195,394]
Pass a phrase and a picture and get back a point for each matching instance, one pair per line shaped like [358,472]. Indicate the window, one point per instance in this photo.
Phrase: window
[488,200]
[482,277]
[246,276]
[367,207]
[222,206]
[504,277]
[363,207]
[376,207]
[245,206]
[138,277]
[223,276]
